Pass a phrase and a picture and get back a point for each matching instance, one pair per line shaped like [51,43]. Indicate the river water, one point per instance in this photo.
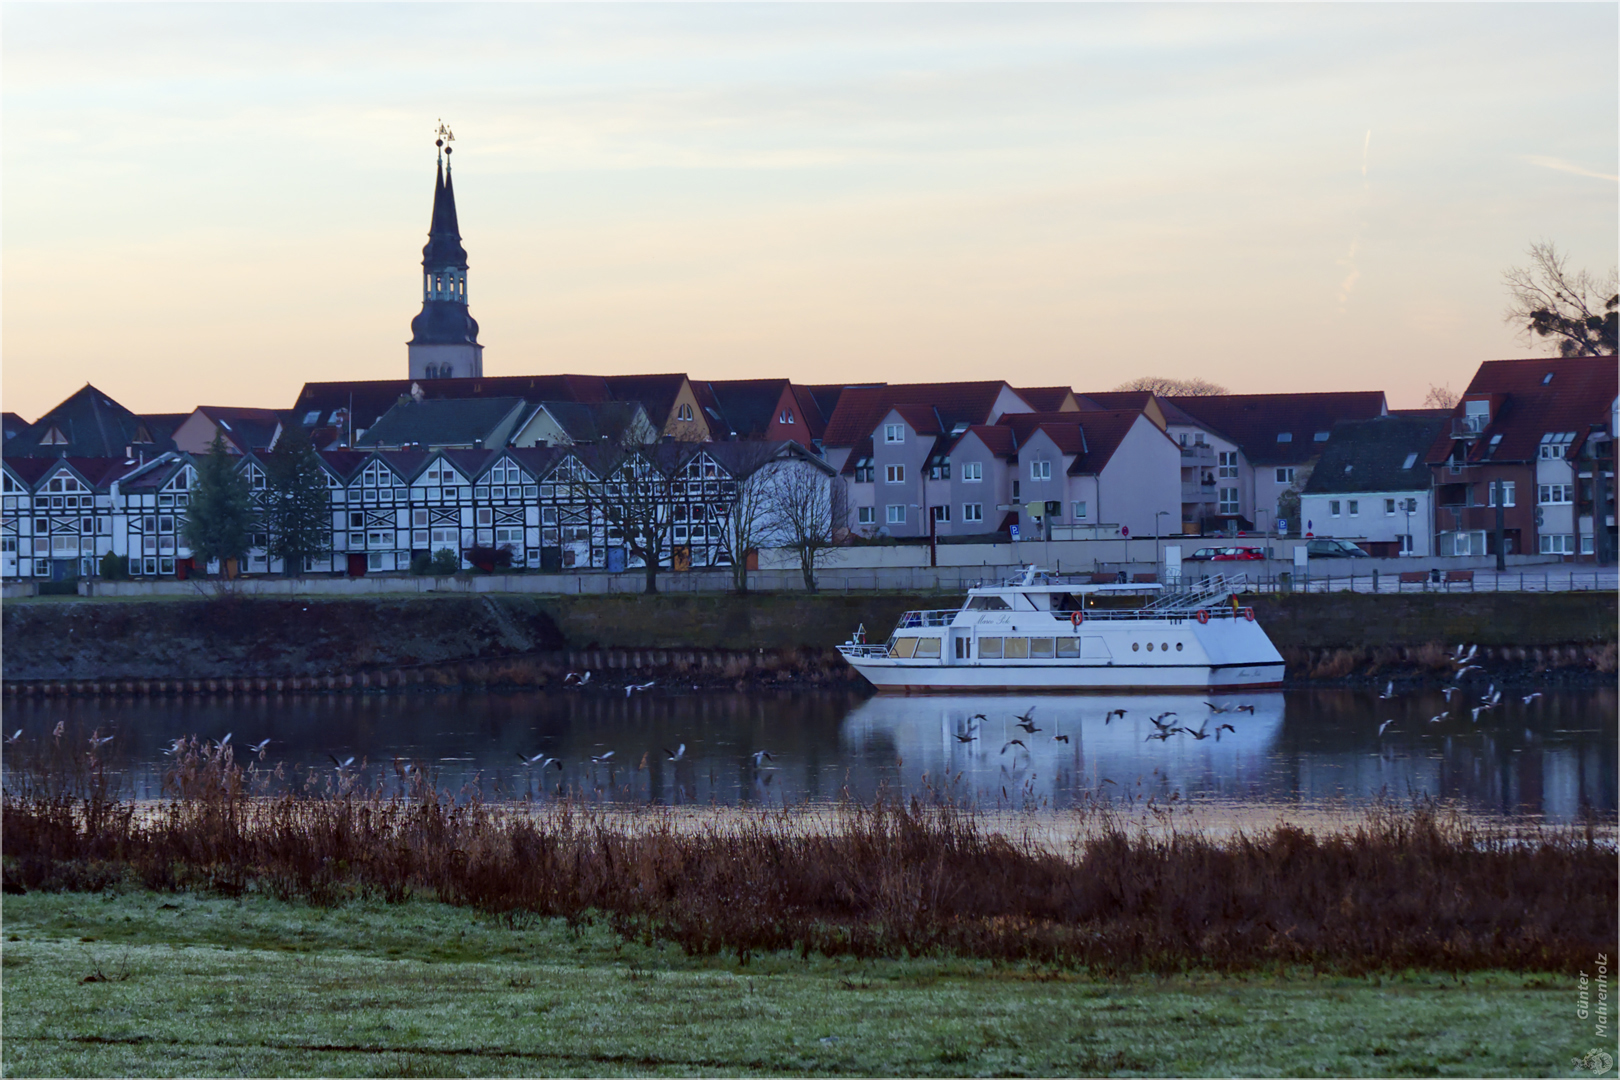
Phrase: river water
[1553,758]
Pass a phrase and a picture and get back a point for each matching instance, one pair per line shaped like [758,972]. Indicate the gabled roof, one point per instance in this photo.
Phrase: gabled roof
[406,464]
[1110,400]
[1104,432]
[93,425]
[811,412]
[1049,398]
[590,422]
[345,464]
[11,423]
[1531,398]
[154,474]
[746,407]
[472,463]
[160,426]
[656,392]
[997,439]
[97,472]
[1063,428]
[861,408]
[923,419]
[1255,422]
[28,470]
[246,429]
[826,396]
[861,451]
[537,460]
[1371,455]
[739,459]
[442,422]
[373,397]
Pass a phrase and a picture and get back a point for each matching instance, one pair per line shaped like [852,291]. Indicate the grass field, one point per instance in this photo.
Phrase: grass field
[168,984]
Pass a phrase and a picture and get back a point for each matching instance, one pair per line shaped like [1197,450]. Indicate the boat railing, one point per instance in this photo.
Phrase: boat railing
[1153,614]
[1196,594]
[863,650]
[912,619]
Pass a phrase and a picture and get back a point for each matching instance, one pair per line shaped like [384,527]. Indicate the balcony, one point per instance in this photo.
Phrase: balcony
[1469,427]
[1197,454]
[1193,491]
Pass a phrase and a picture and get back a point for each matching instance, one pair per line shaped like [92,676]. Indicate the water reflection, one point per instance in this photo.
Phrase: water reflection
[1553,756]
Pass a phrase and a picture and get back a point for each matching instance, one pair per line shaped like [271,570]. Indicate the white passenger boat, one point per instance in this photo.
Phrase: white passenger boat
[1044,631]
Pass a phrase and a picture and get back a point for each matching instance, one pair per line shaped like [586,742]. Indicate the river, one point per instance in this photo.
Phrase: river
[1552,758]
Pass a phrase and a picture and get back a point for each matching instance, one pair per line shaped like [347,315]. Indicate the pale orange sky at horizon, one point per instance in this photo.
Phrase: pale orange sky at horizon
[215,204]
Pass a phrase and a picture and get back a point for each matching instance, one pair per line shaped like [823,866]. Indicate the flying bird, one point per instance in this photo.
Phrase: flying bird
[1013,742]
[1448,691]
[1384,725]
[98,740]
[971,736]
[1200,734]
[1527,700]
[1389,692]
[540,760]
[1246,708]
[1437,718]
[676,754]
[637,688]
[1061,738]
[1028,727]
[1028,717]
[1111,714]
[223,743]
[601,759]
[259,747]
[14,737]
[1224,727]
[762,755]
[175,747]
[342,766]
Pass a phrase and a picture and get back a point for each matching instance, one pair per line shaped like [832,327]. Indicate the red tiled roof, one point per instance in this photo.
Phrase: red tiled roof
[997,439]
[1063,428]
[1045,398]
[861,408]
[862,449]
[1527,405]
[1254,421]
[1104,432]
[1115,399]
[810,413]
[344,463]
[923,419]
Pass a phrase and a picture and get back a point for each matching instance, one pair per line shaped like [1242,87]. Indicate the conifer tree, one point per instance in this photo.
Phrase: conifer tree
[297,504]
[219,518]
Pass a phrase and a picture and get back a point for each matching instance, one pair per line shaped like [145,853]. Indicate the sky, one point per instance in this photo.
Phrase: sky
[211,204]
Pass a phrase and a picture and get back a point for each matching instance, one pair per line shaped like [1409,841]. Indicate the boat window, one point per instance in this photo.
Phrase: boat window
[990,648]
[1068,648]
[902,648]
[1065,602]
[1039,601]
[928,647]
[1178,646]
[987,603]
[1017,648]
[1040,648]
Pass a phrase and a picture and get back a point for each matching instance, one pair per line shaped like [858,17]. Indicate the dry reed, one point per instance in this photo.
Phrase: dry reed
[1403,888]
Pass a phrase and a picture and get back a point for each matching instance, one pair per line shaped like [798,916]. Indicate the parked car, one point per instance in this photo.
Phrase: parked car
[1239,554]
[1334,549]
[1202,555]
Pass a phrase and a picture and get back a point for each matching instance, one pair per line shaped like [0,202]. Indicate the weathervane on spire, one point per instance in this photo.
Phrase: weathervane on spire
[445,136]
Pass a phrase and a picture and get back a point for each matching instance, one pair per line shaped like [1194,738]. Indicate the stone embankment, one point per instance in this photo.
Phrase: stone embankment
[235,645]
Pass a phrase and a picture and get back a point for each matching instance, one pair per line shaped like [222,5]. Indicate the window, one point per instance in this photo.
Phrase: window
[1586,545]
[1080,510]
[1558,544]
[1389,507]
[1285,476]
[1229,500]
[866,515]
[1555,494]
[1333,507]
[1040,470]
[1411,459]
[973,511]
[1015,491]
[864,471]
[941,513]
[1285,436]
[939,469]
[990,648]
[896,513]
[1508,487]
[1322,436]
[1228,465]
[894,433]
[894,474]
[1355,507]
[1016,648]
[485,515]
[972,472]
[928,648]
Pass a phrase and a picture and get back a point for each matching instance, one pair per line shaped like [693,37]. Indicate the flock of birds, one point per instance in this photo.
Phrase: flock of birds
[1464,663]
[1164,728]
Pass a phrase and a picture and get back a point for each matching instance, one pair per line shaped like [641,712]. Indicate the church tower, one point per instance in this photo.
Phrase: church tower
[444,337]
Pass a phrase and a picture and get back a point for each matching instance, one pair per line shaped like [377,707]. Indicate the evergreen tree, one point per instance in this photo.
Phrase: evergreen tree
[219,519]
[297,504]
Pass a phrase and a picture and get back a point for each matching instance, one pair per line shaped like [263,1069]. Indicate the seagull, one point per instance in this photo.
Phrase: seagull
[636,688]
[1527,700]
[1460,658]
[675,755]
[1476,710]
[14,737]
[97,741]
[762,755]
[1111,714]
[1389,692]
[601,759]
[175,747]
[342,766]
[259,747]
[223,743]
[1448,691]
[1246,708]
[61,726]
[574,678]
[1224,727]
[1061,738]
[1437,718]
[1384,725]
[1471,667]
[540,760]
[411,768]
[1013,742]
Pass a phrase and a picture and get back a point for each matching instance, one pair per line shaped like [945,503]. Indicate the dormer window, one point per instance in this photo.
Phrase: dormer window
[312,418]
[1285,436]
[1410,460]
[1546,378]
[54,437]
[894,433]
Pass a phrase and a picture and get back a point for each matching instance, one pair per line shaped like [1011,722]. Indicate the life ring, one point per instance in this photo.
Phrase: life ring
[1076,618]
[1248,613]
[1202,616]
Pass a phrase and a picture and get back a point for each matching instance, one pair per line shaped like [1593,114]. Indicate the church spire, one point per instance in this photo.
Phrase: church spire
[444,337]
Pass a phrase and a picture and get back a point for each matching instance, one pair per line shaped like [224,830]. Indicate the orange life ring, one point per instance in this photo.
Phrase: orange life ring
[1248,613]
[1202,616]
[1076,618]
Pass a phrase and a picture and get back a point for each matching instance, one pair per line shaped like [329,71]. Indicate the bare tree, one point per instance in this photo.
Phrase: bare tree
[1575,313]
[636,493]
[743,518]
[1440,397]
[806,509]
[1164,386]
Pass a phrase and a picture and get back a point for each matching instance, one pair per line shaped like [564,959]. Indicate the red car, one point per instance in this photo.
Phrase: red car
[1239,554]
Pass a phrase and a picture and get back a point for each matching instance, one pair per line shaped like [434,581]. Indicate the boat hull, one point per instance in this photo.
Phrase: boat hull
[898,677]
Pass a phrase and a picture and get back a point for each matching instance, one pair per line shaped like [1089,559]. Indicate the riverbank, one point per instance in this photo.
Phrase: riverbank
[231,644]
[164,984]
